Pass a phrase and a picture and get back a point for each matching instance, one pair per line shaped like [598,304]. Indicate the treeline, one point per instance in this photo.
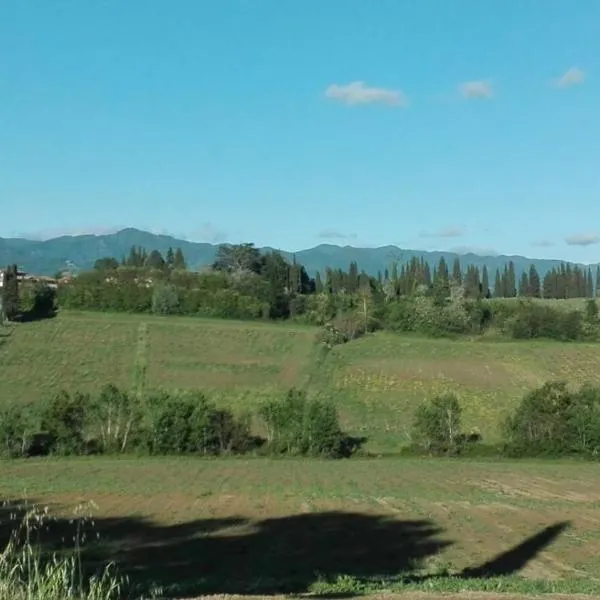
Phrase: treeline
[552,421]
[243,283]
[165,423]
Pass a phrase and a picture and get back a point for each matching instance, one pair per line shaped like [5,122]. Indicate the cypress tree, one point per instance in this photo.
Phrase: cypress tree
[485,282]
[456,272]
[179,263]
[10,293]
[534,283]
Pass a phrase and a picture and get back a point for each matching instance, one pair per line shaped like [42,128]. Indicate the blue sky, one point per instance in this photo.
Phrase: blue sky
[431,124]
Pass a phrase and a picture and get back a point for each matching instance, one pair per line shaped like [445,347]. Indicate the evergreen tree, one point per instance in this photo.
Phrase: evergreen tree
[485,282]
[155,260]
[179,263]
[10,293]
[318,283]
[524,285]
[456,272]
[598,281]
[498,285]
[352,280]
[170,258]
[512,281]
[534,283]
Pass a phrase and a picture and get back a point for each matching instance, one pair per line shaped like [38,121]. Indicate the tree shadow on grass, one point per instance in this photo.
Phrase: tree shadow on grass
[272,556]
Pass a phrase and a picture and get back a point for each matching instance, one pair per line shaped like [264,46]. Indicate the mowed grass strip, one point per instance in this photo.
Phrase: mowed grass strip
[223,355]
[231,522]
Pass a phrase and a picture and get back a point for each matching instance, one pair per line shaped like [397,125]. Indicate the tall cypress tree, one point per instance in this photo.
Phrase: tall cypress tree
[512,281]
[179,263]
[498,287]
[524,284]
[456,272]
[535,290]
[10,293]
[598,281]
[485,282]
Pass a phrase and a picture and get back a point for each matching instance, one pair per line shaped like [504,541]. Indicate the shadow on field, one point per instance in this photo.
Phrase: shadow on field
[273,556]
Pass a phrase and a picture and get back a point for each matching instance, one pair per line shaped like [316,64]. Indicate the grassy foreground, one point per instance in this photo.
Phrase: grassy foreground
[194,526]
[376,382]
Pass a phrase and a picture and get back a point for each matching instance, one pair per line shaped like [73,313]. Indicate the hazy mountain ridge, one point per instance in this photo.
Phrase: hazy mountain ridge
[79,252]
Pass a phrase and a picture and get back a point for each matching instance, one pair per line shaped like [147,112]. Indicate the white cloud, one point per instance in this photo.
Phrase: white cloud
[543,243]
[572,76]
[478,250]
[207,233]
[332,234]
[473,90]
[444,232]
[582,239]
[358,92]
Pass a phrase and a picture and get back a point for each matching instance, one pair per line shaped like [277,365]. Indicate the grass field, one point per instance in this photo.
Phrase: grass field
[376,382]
[266,526]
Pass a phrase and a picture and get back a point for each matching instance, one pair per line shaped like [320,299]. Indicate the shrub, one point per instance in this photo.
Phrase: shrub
[64,419]
[18,423]
[553,420]
[187,423]
[437,425]
[115,417]
[299,426]
[534,320]
[165,299]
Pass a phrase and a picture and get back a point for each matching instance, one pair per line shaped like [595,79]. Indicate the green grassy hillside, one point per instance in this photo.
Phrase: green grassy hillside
[376,382]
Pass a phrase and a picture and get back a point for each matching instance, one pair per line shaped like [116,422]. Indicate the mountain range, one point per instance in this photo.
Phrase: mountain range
[77,253]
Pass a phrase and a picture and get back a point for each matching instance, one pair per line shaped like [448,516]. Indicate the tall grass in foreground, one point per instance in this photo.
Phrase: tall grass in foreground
[27,574]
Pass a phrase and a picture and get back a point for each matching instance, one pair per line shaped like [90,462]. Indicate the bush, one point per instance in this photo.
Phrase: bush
[533,320]
[187,423]
[165,299]
[553,420]
[115,417]
[17,425]
[64,419]
[437,425]
[38,301]
[299,426]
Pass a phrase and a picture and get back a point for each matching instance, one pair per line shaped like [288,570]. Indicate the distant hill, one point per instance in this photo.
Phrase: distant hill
[79,253]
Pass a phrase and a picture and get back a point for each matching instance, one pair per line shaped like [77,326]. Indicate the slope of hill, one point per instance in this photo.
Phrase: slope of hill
[80,252]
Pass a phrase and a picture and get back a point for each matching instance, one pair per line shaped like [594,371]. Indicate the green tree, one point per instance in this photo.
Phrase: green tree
[170,258]
[524,285]
[107,263]
[485,282]
[238,257]
[534,290]
[318,283]
[179,263]
[498,285]
[10,293]
[437,424]
[165,299]
[456,271]
[155,260]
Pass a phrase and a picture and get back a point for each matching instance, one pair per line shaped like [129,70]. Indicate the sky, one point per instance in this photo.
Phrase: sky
[468,125]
